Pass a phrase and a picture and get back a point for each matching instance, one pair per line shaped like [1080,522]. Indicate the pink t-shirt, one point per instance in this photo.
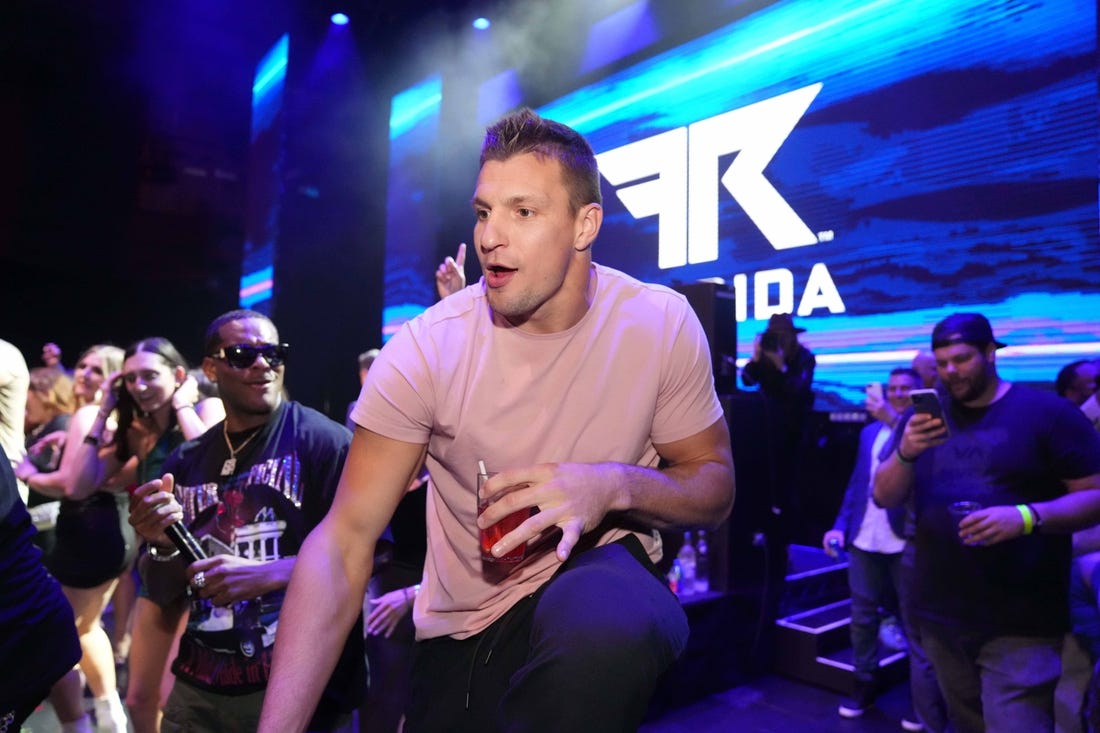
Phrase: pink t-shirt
[634,371]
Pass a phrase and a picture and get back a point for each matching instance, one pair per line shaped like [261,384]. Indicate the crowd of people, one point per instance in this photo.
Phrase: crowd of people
[506,400]
[962,519]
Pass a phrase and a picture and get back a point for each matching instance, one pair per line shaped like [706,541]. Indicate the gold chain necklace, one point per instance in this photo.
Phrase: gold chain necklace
[230,464]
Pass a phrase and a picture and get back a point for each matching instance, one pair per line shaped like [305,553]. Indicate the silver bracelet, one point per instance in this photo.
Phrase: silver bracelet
[159,556]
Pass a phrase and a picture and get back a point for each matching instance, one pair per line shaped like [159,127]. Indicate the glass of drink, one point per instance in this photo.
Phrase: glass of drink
[493,534]
[960,509]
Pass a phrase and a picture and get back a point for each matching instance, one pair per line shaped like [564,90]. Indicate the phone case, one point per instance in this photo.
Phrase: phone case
[874,391]
[927,401]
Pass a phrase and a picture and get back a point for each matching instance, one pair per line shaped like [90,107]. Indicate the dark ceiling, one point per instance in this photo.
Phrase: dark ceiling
[123,150]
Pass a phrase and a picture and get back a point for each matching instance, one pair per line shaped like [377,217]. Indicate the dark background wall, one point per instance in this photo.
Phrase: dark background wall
[124,138]
[124,130]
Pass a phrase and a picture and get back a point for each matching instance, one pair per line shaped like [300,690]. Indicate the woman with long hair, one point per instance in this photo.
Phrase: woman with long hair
[87,391]
[154,401]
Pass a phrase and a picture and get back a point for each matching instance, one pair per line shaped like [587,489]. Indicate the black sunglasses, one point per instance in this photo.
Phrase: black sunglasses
[242,356]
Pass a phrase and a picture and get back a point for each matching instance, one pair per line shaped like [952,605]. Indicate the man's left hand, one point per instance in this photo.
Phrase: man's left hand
[991,525]
[880,410]
[572,496]
[227,579]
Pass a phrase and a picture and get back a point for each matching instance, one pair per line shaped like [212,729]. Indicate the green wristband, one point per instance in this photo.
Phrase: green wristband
[1025,514]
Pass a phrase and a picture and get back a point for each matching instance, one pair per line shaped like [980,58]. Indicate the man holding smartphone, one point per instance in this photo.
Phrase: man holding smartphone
[991,590]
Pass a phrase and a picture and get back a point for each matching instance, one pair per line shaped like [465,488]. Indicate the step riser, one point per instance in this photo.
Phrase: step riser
[813,635]
[840,678]
[813,580]
[823,658]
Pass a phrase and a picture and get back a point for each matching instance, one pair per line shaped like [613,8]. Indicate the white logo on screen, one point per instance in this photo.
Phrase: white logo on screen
[681,178]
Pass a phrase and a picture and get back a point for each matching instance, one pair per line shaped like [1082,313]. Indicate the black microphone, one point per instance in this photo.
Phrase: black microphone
[181,537]
[185,542]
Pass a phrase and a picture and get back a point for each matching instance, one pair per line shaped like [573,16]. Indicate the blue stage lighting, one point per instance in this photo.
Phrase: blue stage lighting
[482,24]
[339,19]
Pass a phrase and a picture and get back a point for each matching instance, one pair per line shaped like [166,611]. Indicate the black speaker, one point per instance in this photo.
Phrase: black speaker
[714,305]
[753,518]
[827,458]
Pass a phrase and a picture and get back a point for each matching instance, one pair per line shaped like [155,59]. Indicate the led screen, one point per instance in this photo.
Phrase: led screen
[411,203]
[265,162]
[870,166]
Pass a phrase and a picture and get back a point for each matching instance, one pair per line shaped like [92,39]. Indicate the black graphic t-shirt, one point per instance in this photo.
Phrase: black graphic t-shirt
[282,484]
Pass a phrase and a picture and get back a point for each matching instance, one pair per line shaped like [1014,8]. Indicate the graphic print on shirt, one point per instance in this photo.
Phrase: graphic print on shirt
[255,515]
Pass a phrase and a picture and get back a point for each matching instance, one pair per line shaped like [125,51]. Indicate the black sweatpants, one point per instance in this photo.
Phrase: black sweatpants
[583,653]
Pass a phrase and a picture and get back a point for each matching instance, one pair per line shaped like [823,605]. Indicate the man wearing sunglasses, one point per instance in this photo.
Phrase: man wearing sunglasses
[250,489]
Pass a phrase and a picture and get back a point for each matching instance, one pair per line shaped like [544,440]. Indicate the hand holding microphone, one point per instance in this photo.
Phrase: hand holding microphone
[185,542]
[158,517]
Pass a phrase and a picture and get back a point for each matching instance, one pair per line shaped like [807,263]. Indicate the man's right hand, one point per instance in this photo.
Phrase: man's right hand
[921,433]
[153,507]
[832,542]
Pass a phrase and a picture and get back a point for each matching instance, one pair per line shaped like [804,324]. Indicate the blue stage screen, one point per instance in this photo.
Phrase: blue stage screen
[265,165]
[870,166]
[411,203]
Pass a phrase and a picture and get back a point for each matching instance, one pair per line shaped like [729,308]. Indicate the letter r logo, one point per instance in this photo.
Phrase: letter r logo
[681,172]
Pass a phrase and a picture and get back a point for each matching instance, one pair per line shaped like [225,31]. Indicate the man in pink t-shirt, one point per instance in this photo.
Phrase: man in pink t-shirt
[573,382]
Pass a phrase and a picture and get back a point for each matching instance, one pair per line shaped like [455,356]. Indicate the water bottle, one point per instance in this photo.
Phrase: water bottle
[702,564]
[686,558]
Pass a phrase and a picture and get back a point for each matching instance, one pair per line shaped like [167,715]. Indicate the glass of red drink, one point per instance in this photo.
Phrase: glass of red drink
[493,534]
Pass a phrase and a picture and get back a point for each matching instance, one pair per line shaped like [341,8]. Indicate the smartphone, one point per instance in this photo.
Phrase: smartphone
[928,402]
[874,392]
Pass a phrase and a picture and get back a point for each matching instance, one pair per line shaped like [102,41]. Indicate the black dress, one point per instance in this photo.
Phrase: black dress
[95,541]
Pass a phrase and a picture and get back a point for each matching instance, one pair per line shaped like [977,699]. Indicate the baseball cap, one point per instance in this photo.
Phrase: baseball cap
[964,328]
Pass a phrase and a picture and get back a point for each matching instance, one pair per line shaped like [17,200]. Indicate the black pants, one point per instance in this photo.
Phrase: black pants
[583,653]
